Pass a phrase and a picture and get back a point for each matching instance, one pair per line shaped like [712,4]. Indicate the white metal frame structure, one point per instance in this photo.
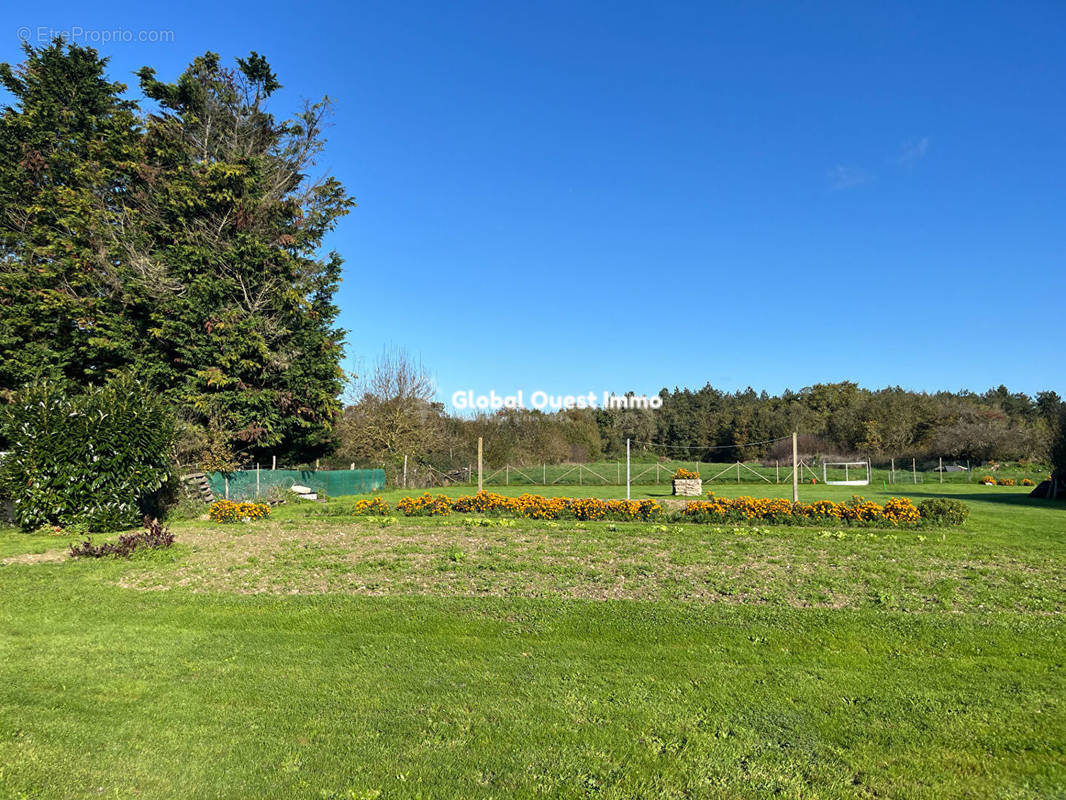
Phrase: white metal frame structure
[848,481]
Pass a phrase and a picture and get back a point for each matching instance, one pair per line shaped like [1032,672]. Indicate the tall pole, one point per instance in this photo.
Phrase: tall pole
[795,469]
[256,480]
[941,469]
[405,472]
[479,464]
[914,471]
[893,473]
[627,469]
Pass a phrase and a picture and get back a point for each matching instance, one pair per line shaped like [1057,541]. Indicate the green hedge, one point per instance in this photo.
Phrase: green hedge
[98,458]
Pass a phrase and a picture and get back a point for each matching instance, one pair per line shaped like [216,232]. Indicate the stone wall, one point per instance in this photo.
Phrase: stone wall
[688,487]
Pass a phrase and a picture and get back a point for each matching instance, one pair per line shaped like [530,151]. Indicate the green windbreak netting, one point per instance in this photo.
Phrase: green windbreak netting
[331,482]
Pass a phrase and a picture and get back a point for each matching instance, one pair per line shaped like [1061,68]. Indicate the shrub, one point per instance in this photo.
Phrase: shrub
[686,475]
[988,479]
[100,457]
[1005,482]
[943,511]
[1027,482]
[230,511]
[155,536]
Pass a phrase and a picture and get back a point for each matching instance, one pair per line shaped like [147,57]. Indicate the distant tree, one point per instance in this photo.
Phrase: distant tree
[1058,447]
[393,414]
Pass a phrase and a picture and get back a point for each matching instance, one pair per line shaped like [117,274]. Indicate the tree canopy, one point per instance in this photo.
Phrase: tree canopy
[181,244]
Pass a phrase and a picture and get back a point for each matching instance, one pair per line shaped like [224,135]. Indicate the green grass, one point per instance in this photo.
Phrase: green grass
[326,657]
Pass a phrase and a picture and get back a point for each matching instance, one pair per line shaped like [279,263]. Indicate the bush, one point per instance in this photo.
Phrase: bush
[155,536]
[988,479]
[1005,482]
[943,511]
[100,457]
[1027,482]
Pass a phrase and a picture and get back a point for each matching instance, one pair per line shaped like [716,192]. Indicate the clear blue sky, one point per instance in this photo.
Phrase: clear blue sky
[625,196]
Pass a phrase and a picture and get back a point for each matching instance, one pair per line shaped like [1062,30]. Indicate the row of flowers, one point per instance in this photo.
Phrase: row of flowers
[991,481]
[858,510]
[531,506]
[896,511]
[686,475]
[231,511]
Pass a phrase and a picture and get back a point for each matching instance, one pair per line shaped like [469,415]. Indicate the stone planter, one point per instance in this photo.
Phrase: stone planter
[688,487]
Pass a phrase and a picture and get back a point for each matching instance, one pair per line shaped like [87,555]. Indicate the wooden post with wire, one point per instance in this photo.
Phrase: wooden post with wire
[479,464]
[795,469]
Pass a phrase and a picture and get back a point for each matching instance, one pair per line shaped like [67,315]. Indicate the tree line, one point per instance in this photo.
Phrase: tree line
[394,414]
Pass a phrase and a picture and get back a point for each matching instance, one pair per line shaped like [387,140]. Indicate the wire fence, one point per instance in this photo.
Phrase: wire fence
[613,473]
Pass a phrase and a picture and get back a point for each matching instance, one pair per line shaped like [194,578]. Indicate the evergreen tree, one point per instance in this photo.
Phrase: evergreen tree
[182,245]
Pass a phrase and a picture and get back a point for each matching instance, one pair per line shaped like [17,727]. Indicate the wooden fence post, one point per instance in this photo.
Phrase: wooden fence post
[479,463]
[795,469]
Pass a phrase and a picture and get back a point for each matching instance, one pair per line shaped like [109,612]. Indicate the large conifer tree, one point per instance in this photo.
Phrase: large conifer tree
[183,245]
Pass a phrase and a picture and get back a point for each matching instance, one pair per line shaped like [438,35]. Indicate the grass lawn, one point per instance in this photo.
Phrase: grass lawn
[314,655]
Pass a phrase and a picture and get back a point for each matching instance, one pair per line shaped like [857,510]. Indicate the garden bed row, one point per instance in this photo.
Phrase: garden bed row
[896,512]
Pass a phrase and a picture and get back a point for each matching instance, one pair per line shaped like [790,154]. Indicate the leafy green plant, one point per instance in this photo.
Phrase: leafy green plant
[943,511]
[98,458]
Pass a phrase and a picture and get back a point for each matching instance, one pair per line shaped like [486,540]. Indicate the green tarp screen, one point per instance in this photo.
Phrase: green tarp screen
[331,482]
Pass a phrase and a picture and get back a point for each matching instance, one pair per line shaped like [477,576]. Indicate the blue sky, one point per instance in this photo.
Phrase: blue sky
[582,197]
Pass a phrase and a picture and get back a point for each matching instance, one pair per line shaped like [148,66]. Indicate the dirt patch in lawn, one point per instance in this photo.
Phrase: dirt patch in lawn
[799,568]
[49,557]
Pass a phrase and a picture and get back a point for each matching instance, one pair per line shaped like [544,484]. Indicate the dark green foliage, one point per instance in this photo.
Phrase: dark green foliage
[940,511]
[97,458]
[181,245]
[1058,448]
[155,536]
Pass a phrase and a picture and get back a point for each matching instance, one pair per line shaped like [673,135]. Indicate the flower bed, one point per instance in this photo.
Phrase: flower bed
[375,507]
[230,511]
[531,506]
[897,511]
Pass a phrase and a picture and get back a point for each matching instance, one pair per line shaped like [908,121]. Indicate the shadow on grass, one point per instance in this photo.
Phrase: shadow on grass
[1002,498]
